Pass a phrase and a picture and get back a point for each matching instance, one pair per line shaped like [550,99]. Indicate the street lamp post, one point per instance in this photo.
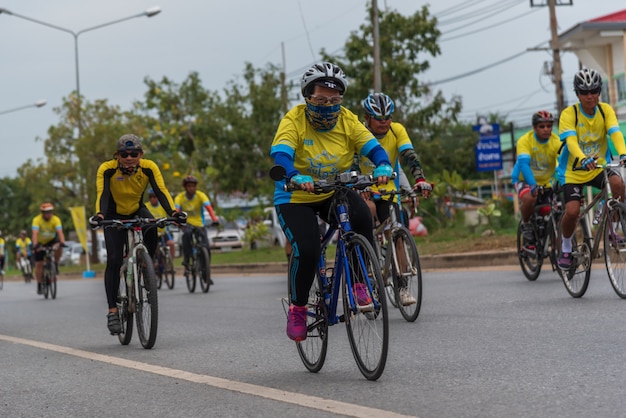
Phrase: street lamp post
[153,11]
[38,103]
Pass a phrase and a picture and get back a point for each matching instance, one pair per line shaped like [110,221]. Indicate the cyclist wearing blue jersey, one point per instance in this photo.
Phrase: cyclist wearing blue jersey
[317,140]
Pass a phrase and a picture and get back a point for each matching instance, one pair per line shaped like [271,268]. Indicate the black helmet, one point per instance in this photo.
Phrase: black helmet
[189,179]
[542,116]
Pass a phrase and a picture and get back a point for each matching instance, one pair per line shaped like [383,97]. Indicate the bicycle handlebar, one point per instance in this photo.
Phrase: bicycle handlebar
[598,166]
[350,180]
[130,223]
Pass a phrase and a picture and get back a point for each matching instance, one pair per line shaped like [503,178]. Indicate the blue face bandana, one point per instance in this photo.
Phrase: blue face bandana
[322,117]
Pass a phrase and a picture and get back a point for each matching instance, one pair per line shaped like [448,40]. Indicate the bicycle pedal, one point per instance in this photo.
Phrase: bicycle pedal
[342,318]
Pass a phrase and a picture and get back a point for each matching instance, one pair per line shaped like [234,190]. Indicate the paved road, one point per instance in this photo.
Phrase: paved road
[487,343]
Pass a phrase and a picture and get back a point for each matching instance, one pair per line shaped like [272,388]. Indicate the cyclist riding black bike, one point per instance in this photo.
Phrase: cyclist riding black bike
[120,184]
[317,140]
[537,152]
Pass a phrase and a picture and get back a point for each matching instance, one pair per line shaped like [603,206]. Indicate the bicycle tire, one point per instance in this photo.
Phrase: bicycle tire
[312,350]
[615,248]
[190,275]
[386,270]
[52,283]
[203,266]
[126,316]
[529,262]
[46,281]
[147,301]
[368,329]
[169,273]
[553,247]
[1,281]
[576,278]
[411,279]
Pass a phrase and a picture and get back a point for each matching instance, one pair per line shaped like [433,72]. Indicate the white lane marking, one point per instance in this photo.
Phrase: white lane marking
[326,405]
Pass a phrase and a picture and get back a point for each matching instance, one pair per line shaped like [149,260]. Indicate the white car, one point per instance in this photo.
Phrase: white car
[276,235]
[225,237]
[71,253]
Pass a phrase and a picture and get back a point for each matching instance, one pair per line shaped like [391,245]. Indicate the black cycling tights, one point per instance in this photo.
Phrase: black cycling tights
[114,240]
[299,222]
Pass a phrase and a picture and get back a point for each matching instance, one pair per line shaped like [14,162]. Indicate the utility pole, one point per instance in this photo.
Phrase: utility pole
[557,70]
[283,86]
[376,41]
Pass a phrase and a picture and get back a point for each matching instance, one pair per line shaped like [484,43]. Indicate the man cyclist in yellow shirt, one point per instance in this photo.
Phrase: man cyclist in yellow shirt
[584,127]
[1,254]
[157,211]
[537,152]
[47,231]
[23,249]
[192,201]
[120,185]
[317,140]
[393,137]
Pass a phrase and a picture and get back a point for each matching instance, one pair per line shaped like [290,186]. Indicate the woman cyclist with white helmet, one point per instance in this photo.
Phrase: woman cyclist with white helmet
[584,127]
[317,140]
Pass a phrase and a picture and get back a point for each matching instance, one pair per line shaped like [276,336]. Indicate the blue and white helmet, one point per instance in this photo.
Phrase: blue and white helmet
[378,105]
[325,74]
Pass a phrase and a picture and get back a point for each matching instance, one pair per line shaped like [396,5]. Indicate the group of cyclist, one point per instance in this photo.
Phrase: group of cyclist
[569,159]
[318,140]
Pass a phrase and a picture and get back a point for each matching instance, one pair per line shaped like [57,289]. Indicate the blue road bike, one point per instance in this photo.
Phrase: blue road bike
[356,264]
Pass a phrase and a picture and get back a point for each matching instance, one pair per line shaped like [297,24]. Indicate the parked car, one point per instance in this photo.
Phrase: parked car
[225,237]
[276,235]
[71,253]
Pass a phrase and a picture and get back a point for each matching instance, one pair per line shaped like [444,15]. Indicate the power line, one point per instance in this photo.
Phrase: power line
[481,12]
[463,35]
[457,7]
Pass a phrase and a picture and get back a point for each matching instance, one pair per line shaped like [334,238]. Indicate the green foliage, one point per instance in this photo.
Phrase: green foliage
[255,232]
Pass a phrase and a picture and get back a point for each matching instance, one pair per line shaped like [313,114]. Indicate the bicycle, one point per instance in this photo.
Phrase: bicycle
[138,289]
[401,269]
[544,220]
[49,275]
[355,263]
[585,246]
[25,266]
[164,265]
[199,262]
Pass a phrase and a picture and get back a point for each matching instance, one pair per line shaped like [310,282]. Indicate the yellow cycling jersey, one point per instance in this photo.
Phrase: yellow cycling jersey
[193,207]
[588,138]
[47,229]
[319,154]
[394,142]
[157,212]
[122,194]
[2,247]
[22,245]
[543,157]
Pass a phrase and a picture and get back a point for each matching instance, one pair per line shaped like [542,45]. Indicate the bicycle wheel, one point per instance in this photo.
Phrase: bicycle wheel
[576,278]
[45,281]
[124,295]
[553,248]
[190,275]
[528,258]
[615,249]
[1,281]
[313,349]
[203,267]
[52,283]
[147,300]
[407,274]
[367,324]
[169,272]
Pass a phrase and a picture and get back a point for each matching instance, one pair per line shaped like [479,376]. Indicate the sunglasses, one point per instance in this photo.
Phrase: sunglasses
[381,119]
[586,92]
[124,154]
[319,99]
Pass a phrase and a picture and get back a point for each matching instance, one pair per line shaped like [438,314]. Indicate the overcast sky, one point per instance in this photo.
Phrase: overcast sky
[217,38]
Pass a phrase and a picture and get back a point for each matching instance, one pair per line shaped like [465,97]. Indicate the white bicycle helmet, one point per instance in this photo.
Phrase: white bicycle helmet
[378,105]
[325,74]
[587,79]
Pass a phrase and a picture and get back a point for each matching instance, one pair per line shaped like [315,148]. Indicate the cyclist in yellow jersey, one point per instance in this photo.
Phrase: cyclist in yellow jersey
[192,201]
[47,230]
[157,211]
[317,140]
[23,248]
[120,184]
[584,127]
[537,152]
[1,254]
[393,137]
